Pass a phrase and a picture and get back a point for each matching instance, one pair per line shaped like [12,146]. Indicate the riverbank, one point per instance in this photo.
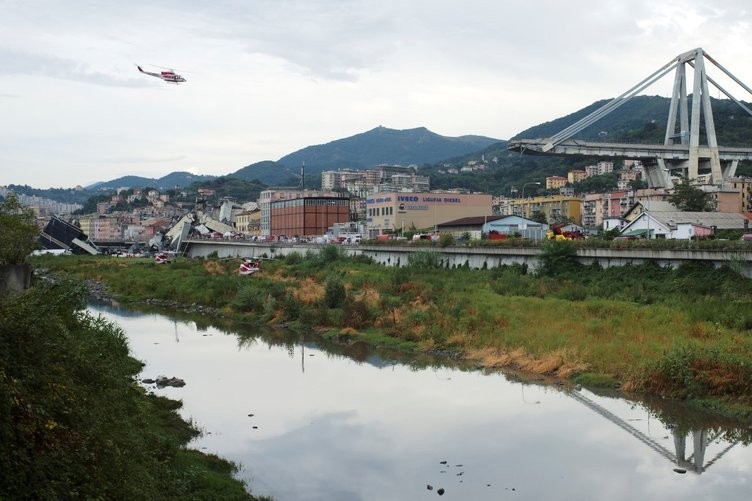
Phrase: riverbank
[75,423]
[676,333]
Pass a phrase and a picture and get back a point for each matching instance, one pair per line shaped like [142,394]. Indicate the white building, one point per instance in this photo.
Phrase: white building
[683,225]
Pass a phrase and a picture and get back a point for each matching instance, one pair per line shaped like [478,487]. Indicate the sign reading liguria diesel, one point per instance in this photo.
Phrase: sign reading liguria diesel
[412,198]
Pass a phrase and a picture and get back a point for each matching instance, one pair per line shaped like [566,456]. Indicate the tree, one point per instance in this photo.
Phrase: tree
[690,198]
[18,231]
[558,257]
[539,216]
[638,184]
[598,184]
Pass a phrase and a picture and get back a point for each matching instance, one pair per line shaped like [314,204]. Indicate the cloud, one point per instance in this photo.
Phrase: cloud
[139,160]
[268,77]
[14,63]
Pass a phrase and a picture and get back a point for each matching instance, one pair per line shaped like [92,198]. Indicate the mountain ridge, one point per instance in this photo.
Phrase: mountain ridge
[380,145]
[641,119]
[168,181]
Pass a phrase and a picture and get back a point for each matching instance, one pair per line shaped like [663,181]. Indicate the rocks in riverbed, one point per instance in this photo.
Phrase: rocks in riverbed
[163,381]
[170,381]
[187,308]
[98,290]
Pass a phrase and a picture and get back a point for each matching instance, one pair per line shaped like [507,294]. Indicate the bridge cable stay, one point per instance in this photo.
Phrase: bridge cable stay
[653,444]
[687,58]
[623,425]
[718,456]
[724,91]
[609,107]
[682,148]
[727,72]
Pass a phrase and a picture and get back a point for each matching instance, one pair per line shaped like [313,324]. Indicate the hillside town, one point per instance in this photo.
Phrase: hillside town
[388,201]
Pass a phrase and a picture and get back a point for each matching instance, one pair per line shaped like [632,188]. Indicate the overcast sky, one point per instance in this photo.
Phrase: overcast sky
[266,78]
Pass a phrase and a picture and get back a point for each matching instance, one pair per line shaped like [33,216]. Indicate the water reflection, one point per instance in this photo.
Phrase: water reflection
[702,438]
[352,423]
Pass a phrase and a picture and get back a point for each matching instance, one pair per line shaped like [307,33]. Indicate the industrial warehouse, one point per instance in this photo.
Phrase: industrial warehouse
[396,211]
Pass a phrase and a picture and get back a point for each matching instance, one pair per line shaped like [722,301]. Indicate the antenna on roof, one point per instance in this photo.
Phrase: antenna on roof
[302,176]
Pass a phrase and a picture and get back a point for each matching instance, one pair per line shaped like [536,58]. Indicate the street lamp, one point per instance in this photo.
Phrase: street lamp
[526,184]
[524,212]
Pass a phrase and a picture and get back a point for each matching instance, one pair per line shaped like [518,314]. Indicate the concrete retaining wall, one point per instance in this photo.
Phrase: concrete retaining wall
[481,257]
[15,277]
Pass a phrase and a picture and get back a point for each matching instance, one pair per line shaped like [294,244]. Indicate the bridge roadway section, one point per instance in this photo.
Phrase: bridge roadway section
[475,257]
[637,151]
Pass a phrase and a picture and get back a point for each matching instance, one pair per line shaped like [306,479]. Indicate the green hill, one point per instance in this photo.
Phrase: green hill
[641,119]
[378,146]
[170,181]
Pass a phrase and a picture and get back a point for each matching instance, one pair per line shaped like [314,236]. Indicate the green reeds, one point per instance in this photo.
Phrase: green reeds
[615,323]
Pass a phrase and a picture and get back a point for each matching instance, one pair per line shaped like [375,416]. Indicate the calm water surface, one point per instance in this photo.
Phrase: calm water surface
[328,427]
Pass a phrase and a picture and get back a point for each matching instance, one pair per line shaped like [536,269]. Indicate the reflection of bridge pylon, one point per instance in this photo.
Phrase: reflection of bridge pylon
[682,149]
[701,439]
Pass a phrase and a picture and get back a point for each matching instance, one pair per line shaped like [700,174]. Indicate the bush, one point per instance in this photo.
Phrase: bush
[249,299]
[74,424]
[293,258]
[331,253]
[334,293]
[356,314]
[445,240]
[558,257]
[690,370]
[423,259]
[18,231]
[292,307]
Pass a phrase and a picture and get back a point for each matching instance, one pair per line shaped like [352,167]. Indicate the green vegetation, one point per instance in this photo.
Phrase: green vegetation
[18,231]
[74,422]
[232,187]
[67,195]
[633,327]
[690,198]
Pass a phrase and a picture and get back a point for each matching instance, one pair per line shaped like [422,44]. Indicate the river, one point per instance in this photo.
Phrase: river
[307,424]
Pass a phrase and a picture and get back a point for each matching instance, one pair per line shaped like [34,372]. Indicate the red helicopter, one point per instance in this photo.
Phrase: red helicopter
[168,76]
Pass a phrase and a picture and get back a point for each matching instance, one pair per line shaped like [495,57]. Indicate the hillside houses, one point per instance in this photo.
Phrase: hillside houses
[393,198]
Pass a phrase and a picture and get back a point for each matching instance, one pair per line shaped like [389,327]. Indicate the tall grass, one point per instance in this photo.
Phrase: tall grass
[617,322]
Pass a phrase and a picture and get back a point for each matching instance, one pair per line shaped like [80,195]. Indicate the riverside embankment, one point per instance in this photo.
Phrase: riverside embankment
[683,333]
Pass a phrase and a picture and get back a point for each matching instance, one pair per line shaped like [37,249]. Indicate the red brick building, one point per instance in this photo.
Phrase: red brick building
[307,216]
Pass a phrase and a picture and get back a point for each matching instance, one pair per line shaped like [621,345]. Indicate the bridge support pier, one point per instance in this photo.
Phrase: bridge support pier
[658,174]
[682,149]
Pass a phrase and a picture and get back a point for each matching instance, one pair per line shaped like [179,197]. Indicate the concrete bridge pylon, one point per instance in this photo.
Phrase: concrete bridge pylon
[683,150]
